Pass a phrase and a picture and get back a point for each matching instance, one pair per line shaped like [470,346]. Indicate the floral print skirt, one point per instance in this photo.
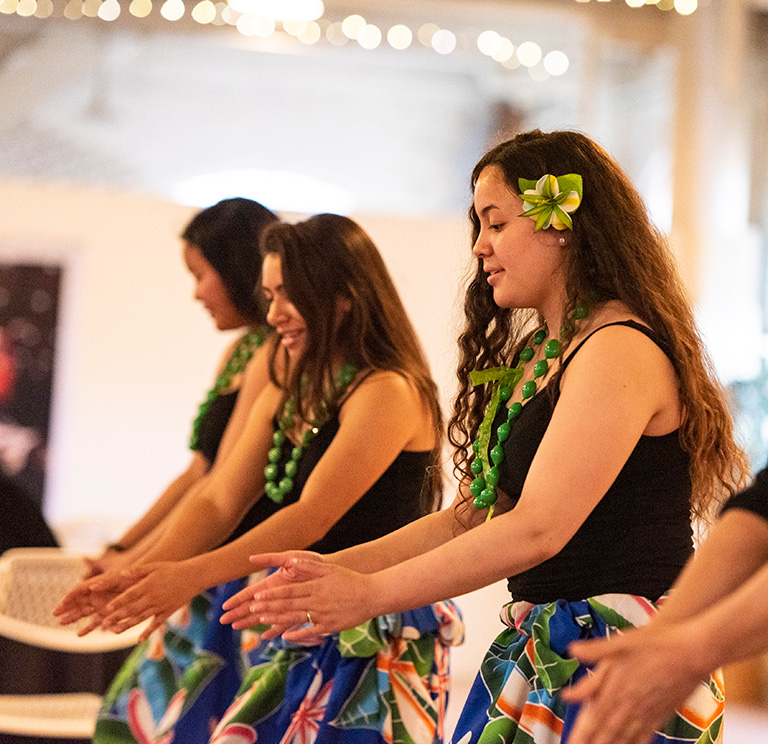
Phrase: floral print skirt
[383,681]
[516,696]
[176,685]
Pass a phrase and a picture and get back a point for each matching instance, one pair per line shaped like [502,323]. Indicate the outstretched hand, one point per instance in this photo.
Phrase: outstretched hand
[640,679]
[156,591]
[305,598]
[90,599]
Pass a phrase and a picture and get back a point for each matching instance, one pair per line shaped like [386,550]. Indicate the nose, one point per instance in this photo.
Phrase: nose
[274,312]
[481,248]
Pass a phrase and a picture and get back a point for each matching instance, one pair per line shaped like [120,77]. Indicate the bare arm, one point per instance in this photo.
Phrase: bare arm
[643,675]
[368,441]
[413,539]
[583,450]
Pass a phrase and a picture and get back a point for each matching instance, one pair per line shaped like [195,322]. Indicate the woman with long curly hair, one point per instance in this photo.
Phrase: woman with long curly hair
[341,447]
[589,431]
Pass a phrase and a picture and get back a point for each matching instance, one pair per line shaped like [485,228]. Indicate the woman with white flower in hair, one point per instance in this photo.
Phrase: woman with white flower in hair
[588,430]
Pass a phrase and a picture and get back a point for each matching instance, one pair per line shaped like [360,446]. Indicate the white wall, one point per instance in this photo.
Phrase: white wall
[136,354]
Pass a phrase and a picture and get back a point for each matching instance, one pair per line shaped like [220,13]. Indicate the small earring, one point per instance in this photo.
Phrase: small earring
[561,241]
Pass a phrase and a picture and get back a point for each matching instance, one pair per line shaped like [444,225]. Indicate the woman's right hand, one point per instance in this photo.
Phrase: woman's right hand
[90,598]
[307,596]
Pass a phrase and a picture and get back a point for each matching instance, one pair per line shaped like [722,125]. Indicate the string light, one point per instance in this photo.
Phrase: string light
[335,35]
[426,32]
[311,34]
[400,37]
[171,10]
[556,63]
[91,8]
[140,8]
[204,12]
[299,19]
[26,7]
[352,25]
[109,10]
[505,50]
[685,7]
[369,36]
[529,53]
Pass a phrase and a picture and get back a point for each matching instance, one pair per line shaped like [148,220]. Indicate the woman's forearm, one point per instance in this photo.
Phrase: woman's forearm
[292,527]
[411,540]
[735,549]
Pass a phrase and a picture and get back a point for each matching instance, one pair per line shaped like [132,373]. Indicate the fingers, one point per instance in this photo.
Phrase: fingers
[91,626]
[584,689]
[269,560]
[238,614]
[595,650]
[157,622]
[243,597]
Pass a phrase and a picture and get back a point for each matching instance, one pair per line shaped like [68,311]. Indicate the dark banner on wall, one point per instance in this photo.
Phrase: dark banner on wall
[29,304]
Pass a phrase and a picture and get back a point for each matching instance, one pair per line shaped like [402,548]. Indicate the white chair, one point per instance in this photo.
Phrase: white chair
[32,582]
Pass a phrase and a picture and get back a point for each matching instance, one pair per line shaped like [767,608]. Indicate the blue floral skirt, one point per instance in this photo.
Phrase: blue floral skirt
[176,685]
[516,695]
[384,681]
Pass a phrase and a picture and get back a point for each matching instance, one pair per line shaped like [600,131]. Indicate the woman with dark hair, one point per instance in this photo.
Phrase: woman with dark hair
[588,429]
[341,447]
[190,662]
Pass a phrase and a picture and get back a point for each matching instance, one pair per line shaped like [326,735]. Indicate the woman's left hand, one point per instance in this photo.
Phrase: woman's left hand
[305,598]
[640,678]
[158,590]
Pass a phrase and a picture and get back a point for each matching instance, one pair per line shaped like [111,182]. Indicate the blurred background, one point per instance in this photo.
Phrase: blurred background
[119,118]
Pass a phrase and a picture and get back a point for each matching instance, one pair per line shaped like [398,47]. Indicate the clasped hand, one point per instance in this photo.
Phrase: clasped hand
[119,600]
[306,598]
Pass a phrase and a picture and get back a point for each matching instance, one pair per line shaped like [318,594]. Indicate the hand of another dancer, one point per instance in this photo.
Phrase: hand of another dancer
[237,607]
[90,599]
[156,591]
[306,597]
[641,677]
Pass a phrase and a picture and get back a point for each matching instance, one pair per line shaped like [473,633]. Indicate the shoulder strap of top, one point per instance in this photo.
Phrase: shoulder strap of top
[630,324]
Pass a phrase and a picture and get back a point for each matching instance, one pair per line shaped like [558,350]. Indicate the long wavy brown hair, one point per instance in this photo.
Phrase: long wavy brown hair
[328,258]
[613,253]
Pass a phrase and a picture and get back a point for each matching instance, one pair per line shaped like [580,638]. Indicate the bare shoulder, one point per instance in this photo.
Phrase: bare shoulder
[386,386]
[611,342]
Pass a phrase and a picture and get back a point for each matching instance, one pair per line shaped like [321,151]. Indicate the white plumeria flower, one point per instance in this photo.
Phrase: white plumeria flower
[548,204]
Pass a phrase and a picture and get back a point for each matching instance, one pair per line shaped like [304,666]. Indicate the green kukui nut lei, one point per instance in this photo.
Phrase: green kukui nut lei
[485,465]
[276,490]
[551,200]
[237,362]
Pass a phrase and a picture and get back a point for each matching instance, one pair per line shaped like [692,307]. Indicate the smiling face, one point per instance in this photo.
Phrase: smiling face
[524,267]
[282,315]
[210,291]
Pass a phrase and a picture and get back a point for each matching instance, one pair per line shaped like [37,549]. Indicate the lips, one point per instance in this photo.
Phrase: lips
[492,273]
[291,337]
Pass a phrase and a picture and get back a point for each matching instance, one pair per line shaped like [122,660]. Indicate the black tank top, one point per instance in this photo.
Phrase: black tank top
[754,498]
[214,423]
[392,502]
[638,537]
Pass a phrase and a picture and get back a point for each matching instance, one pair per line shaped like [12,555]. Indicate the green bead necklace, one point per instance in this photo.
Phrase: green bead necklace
[504,379]
[483,487]
[276,490]
[238,360]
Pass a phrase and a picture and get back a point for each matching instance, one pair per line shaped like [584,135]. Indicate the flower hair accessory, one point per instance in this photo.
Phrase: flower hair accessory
[551,200]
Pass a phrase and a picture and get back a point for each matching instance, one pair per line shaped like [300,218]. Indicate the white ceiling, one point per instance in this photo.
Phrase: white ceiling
[144,104]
